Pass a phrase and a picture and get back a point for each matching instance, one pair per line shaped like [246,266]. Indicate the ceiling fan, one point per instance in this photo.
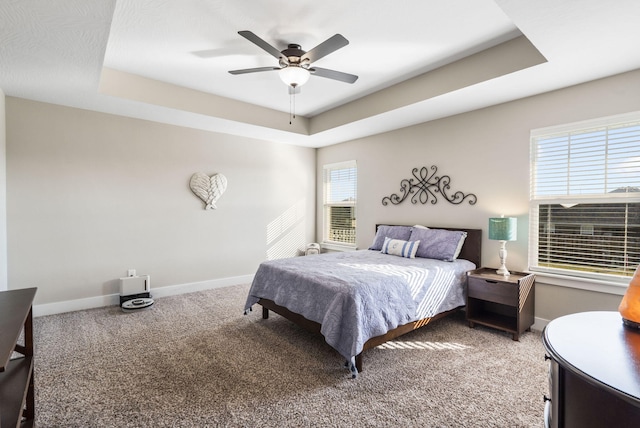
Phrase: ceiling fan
[295,66]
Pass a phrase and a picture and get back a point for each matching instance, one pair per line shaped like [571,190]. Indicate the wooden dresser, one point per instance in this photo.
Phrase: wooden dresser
[17,407]
[594,372]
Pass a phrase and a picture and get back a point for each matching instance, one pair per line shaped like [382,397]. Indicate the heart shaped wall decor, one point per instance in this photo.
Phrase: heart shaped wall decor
[209,189]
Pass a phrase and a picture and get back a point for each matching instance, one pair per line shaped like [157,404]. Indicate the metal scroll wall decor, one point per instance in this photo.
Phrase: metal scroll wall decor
[424,187]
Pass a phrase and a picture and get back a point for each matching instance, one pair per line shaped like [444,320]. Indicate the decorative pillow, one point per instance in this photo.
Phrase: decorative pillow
[393,232]
[438,244]
[398,247]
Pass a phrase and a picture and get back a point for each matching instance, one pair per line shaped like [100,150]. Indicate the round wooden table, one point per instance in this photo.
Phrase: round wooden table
[594,373]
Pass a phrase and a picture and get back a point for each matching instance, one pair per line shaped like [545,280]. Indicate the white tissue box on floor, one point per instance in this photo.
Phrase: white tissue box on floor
[135,292]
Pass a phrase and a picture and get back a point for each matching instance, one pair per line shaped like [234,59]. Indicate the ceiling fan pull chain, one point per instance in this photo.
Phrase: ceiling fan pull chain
[292,104]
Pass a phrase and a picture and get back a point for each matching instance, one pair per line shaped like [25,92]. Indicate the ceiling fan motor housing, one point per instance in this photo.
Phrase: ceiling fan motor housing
[293,55]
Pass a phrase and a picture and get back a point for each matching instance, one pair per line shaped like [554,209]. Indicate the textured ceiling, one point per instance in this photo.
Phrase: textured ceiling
[194,43]
[416,60]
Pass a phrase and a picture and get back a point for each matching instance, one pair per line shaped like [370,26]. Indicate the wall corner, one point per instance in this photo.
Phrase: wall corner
[3,193]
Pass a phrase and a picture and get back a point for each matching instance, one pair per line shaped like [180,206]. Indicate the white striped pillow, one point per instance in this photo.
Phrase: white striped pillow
[398,247]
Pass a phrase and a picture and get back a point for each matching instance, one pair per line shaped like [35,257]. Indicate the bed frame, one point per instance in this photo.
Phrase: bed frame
[471,250]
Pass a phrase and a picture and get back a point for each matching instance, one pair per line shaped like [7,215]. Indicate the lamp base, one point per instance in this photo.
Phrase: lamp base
[631,324]
[503,271]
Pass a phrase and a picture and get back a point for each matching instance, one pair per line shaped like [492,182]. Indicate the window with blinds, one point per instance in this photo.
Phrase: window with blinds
[585,198]
[340,184]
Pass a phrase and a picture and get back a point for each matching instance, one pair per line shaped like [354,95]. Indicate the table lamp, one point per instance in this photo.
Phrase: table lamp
[503,229]
[630,306]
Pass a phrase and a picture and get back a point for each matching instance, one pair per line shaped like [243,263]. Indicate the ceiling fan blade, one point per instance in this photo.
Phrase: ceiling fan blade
[332,44]
[332,74]
[253,70]
[262,44]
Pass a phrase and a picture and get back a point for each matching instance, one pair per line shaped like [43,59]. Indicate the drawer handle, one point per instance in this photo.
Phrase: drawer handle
[493,282]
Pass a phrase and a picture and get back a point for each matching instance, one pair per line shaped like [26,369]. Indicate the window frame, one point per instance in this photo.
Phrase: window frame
[326,205]
[567,277]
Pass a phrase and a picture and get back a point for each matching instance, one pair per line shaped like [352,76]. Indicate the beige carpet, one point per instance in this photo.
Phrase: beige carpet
[195,361]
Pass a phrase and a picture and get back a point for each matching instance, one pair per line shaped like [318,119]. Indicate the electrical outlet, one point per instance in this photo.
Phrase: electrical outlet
[131,272]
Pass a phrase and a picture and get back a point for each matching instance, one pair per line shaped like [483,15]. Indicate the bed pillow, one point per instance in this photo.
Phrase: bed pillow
[438,244]
[398,247]
[393,232]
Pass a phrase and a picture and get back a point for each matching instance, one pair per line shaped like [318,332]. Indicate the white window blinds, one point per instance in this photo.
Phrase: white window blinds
[340,185]
[585,198]
[594,162]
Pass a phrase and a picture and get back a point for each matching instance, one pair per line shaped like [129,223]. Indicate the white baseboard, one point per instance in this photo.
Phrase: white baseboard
[114,299]
[539,324]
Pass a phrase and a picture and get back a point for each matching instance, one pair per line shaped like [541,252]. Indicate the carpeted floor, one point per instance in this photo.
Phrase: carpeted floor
[195,361]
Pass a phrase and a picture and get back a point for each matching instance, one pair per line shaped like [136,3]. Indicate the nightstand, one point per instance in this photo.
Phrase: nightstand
[502,302]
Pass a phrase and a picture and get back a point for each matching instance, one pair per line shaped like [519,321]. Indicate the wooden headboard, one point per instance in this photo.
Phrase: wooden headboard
[472,248]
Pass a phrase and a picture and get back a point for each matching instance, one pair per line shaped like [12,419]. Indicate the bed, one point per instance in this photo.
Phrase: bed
[410,276]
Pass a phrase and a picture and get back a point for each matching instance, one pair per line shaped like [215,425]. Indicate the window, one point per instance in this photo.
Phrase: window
[585,199]
[340,184]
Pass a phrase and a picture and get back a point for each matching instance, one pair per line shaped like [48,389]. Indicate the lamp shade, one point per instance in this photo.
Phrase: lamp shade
[503,228]
[294,75]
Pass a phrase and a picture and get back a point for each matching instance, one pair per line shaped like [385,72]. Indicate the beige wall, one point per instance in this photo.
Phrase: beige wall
[3,195]
[91,195]
[485,152]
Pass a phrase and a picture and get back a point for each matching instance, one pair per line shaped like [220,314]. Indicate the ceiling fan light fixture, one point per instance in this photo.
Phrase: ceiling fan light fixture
[294,75]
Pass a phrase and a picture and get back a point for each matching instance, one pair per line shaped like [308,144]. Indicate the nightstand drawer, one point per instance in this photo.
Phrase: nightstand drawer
[493,291]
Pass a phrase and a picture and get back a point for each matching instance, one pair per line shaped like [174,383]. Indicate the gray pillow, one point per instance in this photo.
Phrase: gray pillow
[438,244]
[393,232]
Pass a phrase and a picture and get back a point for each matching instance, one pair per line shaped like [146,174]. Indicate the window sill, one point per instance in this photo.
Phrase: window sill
[330,246]
[589,284]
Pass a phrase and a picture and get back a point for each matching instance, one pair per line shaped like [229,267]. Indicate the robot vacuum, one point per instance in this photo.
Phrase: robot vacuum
[136,304]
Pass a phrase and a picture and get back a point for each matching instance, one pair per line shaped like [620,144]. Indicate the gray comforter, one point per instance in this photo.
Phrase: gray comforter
[358,295]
